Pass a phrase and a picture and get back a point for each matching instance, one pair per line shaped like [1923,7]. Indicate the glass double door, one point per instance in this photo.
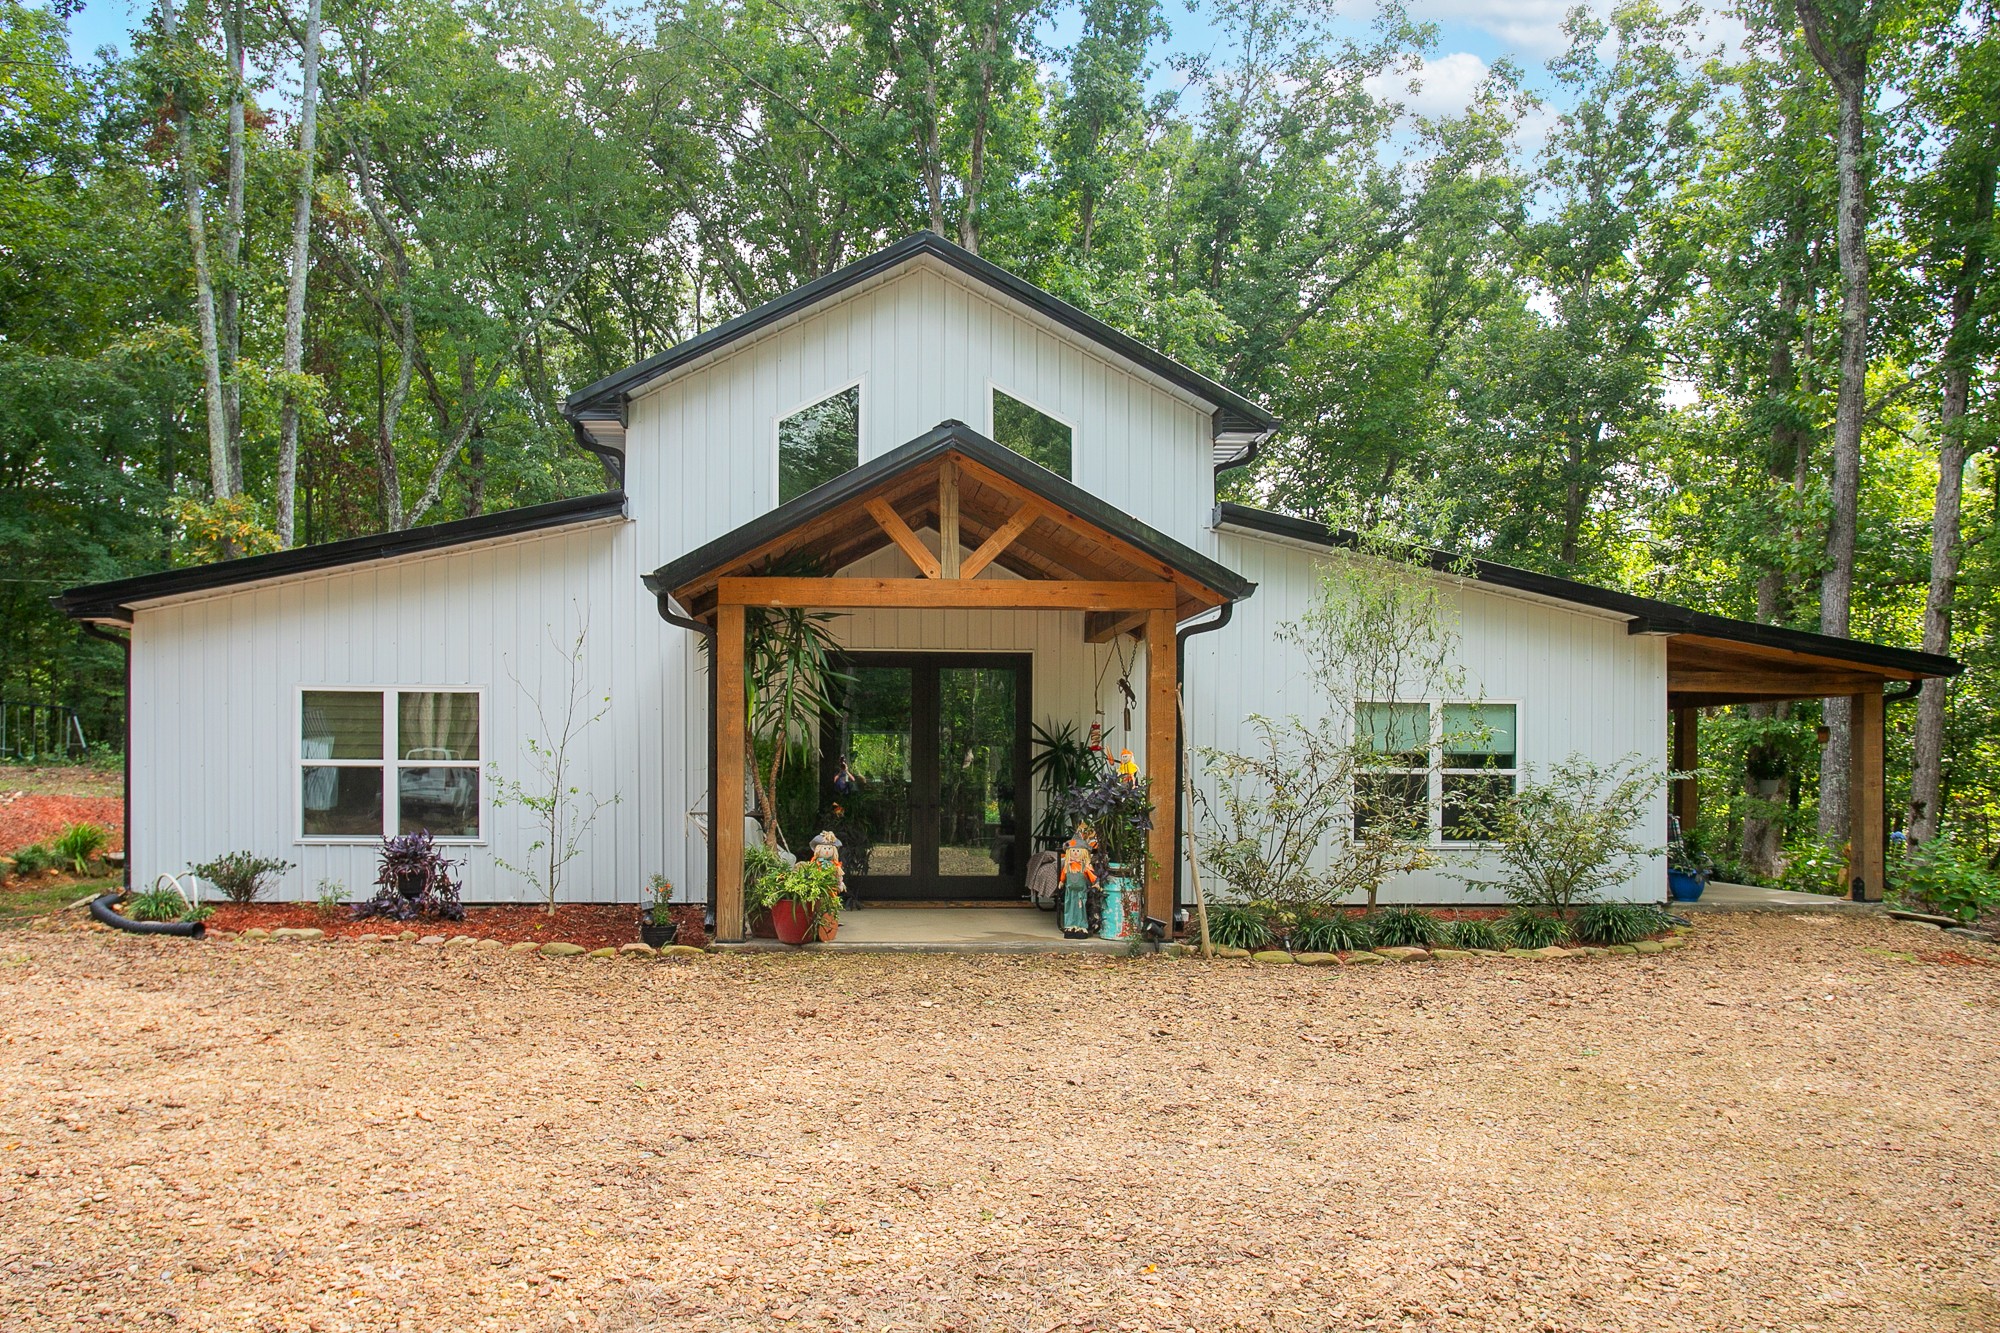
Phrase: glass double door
[926,776]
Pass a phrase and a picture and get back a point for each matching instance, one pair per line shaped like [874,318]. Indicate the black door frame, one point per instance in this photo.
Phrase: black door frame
[924,883]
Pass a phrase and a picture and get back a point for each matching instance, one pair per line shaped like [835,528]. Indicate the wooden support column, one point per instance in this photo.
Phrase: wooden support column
[726,820]
[948,552]
[1865,797]
[1162,745]
[1687,758]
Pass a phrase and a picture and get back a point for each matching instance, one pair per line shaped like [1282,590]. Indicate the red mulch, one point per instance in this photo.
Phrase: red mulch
[1955,959]
[27,817]
[593,925]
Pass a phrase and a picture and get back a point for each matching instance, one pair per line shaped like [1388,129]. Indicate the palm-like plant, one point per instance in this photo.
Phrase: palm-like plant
[790,676]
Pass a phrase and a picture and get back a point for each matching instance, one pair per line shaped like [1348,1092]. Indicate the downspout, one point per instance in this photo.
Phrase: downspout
[707,631]
[1180,748]
[611,460]
[124,643]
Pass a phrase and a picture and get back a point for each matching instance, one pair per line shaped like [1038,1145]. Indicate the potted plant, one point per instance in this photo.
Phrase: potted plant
[1120,809]
[1688,869]
[800,900]
[656,923]
[413,879]
[1062,762]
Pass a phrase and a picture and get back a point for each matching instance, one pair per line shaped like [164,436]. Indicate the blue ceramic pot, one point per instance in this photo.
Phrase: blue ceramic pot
[1683,887]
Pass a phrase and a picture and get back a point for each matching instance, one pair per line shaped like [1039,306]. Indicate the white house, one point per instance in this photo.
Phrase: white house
[1011,507]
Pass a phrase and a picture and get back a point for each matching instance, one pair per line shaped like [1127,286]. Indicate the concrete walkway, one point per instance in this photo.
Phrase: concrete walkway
[950,930]
[1722,897]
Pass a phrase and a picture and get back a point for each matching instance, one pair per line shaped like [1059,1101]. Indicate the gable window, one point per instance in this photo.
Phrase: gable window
[375,763]
[1473,749]
[818,443]
[1032,433]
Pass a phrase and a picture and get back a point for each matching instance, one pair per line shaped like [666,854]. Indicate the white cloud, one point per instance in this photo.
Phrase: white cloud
[1529,28]
[1440,87]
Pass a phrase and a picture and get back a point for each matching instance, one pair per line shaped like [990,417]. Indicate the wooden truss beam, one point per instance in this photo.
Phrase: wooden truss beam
[989,594]
[1003,537]
[899,532]
[948,552]
[1104,626]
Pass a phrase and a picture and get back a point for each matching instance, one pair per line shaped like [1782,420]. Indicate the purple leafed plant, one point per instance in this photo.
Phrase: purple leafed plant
[415,880]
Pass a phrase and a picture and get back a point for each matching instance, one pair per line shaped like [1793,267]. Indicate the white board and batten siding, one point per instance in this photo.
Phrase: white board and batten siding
[925,347]
[1580,682]
[216,687]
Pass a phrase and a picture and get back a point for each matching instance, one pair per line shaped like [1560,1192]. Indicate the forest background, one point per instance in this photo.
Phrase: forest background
[1699,303]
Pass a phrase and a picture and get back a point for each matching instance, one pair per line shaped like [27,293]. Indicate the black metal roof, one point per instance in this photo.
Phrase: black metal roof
[1645,615]
[1235,415]
[949,437]
[113,600]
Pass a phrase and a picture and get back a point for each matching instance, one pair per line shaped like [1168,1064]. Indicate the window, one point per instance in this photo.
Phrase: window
[373,763]
[818,443]
[1395,791]
[1031,433]
[1473,748]
[1479,765]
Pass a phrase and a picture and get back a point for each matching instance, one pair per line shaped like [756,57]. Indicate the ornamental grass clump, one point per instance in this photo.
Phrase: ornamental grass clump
[1240,925]
[1526,928]
[1619,923]
[80,844]
[1405,927]
[1475,935]
[1328,930]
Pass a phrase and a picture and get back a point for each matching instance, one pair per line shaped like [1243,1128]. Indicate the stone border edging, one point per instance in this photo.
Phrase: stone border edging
[1399,954]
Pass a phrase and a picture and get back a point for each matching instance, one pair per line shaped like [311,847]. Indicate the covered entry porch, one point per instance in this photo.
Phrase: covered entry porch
[961,539]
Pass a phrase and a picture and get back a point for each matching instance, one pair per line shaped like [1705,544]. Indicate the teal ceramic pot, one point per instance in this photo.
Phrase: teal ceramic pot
[1119,889]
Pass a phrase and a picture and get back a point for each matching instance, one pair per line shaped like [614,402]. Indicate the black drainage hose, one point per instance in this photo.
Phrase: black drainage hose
[100,907]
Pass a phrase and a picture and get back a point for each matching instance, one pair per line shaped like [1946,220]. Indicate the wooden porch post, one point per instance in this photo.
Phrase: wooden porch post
[1162,745]
[726,841]
[1687,758]
[1865,798]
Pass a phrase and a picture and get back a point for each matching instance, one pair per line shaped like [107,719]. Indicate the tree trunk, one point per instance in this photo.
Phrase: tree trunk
[1840,44]
[1927,765]
[295,292]
[230,317]
[975,176]
[221,478]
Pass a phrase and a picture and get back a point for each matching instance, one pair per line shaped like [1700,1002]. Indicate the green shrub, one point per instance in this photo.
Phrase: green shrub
[157,904]
[1570,833]
[240,876]
[332,894]
[1328,930]
[80,844]
[1948,879]
[1619,923]
[1474,935]
[33,859]
[1405,927]
[1815,867]
[759,862]
[1525,928]
[199,912]
[1240,925]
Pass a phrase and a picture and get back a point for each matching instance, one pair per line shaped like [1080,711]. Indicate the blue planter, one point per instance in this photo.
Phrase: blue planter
[1683,887]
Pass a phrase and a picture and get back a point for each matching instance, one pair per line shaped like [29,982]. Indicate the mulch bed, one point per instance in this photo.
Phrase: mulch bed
[30,817]
[593,925]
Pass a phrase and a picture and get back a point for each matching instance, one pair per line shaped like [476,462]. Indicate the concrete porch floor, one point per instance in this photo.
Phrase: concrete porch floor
[946,929]
[1723,897]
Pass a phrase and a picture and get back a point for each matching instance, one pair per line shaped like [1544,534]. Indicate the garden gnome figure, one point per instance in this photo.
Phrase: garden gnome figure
[1079,882]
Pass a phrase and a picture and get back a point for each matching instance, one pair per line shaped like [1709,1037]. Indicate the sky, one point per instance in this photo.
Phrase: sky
[1472,34]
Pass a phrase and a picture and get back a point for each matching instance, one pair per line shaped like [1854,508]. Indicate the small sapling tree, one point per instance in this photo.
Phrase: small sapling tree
[563,811]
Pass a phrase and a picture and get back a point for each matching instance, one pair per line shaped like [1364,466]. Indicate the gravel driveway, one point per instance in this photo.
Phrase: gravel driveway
[1783,1127]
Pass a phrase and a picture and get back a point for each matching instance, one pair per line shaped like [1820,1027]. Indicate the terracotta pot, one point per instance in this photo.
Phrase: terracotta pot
[792,920]
[829,925]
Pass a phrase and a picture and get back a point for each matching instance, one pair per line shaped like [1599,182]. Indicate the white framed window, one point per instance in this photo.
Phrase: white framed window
[1438,764]
[377,762]
[819,440]
[1032,431]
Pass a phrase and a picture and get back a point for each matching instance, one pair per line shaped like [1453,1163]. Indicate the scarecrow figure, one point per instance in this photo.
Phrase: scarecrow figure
[1128,768]
[826,852]
[1079,882]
